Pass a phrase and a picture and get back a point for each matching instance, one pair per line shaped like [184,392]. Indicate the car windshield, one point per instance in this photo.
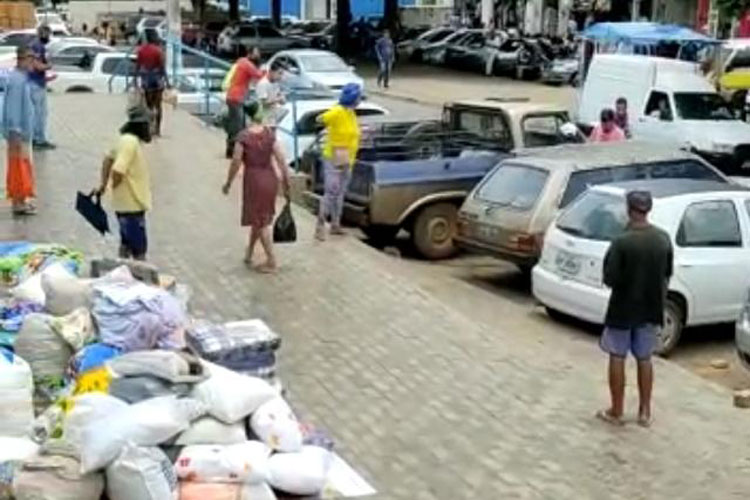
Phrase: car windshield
[702,106]
[515,186]
[50,18]
[311,27]
[435,36]
[740,60]
[595,216]
[323,62]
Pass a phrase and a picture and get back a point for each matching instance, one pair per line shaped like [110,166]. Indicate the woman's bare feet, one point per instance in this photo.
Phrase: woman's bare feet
[267,267]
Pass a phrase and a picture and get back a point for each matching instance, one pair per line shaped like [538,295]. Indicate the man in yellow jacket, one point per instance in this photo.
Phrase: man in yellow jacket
[339,154]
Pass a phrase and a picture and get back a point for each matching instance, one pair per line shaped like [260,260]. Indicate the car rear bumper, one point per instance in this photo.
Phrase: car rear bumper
[742,339]
[475,246]
[570,297]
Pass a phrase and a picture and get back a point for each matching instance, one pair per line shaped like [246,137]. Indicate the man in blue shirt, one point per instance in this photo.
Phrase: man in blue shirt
[38,79]
[386,53]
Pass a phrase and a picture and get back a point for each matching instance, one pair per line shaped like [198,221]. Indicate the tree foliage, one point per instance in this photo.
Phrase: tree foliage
[733,8]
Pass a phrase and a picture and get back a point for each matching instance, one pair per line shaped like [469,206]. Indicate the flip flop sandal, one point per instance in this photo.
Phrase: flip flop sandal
[645,422]
[266,269]
[605,416]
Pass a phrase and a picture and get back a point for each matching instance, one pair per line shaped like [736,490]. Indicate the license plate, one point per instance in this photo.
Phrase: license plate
[486,232]
[568,263]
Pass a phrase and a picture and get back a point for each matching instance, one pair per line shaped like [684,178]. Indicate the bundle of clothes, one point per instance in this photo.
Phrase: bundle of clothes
[108,387]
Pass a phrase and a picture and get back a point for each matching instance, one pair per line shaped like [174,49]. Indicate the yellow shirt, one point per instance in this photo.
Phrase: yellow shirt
[343,132]
[133,194]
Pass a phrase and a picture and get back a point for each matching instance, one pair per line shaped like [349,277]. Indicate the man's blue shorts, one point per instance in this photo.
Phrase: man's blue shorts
[640,340]
[133,241]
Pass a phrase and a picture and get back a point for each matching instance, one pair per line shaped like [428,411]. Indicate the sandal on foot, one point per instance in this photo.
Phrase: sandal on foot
[645,421]
[266,269]
[606,416]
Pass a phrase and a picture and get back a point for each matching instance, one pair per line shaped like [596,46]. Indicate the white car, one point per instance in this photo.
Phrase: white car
[322,68]
[55,22]
[709,226]
[108,72]
[191,92]
[73,52]
[307,128]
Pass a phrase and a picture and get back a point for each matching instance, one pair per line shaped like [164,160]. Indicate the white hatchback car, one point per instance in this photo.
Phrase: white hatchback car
[709,226]
[321,67]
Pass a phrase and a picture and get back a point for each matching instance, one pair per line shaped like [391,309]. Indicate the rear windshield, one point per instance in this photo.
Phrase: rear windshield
[678,169]
[515,186]
[595,216]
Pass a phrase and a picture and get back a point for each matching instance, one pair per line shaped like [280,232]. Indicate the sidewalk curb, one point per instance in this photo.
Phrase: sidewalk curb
[398,97]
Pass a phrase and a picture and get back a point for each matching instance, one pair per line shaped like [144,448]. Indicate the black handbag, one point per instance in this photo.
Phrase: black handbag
[90,207]
[284,229]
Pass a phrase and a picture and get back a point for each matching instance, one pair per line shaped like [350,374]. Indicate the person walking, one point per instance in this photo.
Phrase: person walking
[257,150]
[339,154]
[269,95]
[150,67]
[125,168]
[244,73]
[38,78]
[18,130]
[637,267]
[607,130]
[386,54]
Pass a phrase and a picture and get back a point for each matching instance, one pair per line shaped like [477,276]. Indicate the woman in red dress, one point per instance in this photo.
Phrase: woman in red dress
[264,169]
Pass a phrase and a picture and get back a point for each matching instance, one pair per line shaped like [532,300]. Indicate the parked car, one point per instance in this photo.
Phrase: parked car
[151,23]
[413,49]
[669,101]
[434,52]
[321,67]
[75,53]
[56,24]
[415,175]
[267,38]
[306,127]
[508,212]
[109,71]
[520,58]
[708,223]
[319,34]
[18,38]
[193,89]
[561,71]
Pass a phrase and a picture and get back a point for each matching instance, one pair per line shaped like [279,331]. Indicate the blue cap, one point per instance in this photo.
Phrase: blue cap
[350,94]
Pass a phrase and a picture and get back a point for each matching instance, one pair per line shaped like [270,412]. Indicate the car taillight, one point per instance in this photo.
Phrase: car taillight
[525,242]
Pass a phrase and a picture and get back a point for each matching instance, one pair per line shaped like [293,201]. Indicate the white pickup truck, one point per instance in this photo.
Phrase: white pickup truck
[115,66]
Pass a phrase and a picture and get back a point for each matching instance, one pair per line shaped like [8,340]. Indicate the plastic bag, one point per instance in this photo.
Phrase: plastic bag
[235,463]
[53,477]
[13,451]
[284,229]
[85,410]
[31,289]
[257,491]
[141,473]
[136,389]
[230,396]
[147,423]
[16,391]
[275,424]
[301,473]
[64,292]
[208,430]
[168,365]
[75,328]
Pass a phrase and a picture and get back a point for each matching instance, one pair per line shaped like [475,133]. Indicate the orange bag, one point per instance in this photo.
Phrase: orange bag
[19,180]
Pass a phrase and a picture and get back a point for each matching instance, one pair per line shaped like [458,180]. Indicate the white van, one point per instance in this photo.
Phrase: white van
[668,101]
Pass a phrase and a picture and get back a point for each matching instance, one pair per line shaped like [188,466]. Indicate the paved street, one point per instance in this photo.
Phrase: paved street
[435,381]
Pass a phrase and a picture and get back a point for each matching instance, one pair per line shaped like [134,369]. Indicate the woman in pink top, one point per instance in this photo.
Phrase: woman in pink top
[607,130]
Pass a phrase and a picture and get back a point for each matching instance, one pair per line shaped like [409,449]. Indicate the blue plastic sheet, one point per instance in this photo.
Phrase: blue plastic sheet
[645,33]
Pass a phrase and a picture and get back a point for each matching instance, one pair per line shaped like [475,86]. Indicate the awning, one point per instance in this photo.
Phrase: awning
[645,34]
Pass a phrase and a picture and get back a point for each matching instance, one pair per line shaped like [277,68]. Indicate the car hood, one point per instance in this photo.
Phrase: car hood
[733,132]
[335,79]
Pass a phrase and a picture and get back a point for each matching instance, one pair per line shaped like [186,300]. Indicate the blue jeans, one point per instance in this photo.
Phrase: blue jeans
[335,183]
[39,101]
[384,71]
[133,239]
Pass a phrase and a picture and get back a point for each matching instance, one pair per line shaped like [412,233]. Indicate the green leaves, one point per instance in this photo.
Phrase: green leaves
[733,7]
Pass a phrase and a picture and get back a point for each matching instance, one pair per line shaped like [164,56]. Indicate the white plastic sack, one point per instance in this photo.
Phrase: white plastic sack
[208,430]
[173,366]
[275,424]
[230,396]
[76,328]
[31,289]
[87,409]
[16,392]
[301,473]
[45,351]
[148,423]
[54,477]
[235,463]
[63,291]
[15,449]
[141,473]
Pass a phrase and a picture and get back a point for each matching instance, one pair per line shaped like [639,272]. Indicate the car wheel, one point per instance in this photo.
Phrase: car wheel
[674,322]
[520,73]
[556,315]
[573,80]
[434,229]
[379,234]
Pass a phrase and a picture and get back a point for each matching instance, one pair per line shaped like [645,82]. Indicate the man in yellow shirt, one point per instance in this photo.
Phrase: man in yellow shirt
[339,154]
[126,168]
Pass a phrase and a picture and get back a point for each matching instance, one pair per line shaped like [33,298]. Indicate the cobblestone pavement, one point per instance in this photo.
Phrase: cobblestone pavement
[425,400]
[435,85]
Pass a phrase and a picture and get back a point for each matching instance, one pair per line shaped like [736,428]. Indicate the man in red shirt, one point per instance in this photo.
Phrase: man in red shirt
[150,67]
[245,73]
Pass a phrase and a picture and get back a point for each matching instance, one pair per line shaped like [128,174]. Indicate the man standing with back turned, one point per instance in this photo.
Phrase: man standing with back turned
[637,268]
[38,79]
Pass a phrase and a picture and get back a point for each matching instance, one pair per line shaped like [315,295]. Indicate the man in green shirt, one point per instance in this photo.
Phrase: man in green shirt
[637,268]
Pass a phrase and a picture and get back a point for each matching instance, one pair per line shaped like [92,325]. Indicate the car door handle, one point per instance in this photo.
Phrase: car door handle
[685,266]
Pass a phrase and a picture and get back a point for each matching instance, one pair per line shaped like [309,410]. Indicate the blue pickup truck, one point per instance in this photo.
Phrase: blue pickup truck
[415,175]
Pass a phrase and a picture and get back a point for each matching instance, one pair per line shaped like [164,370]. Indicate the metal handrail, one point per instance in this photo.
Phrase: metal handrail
[116,72]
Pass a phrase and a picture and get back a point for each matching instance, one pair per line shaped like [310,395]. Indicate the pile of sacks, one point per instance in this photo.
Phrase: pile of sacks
[129,407]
